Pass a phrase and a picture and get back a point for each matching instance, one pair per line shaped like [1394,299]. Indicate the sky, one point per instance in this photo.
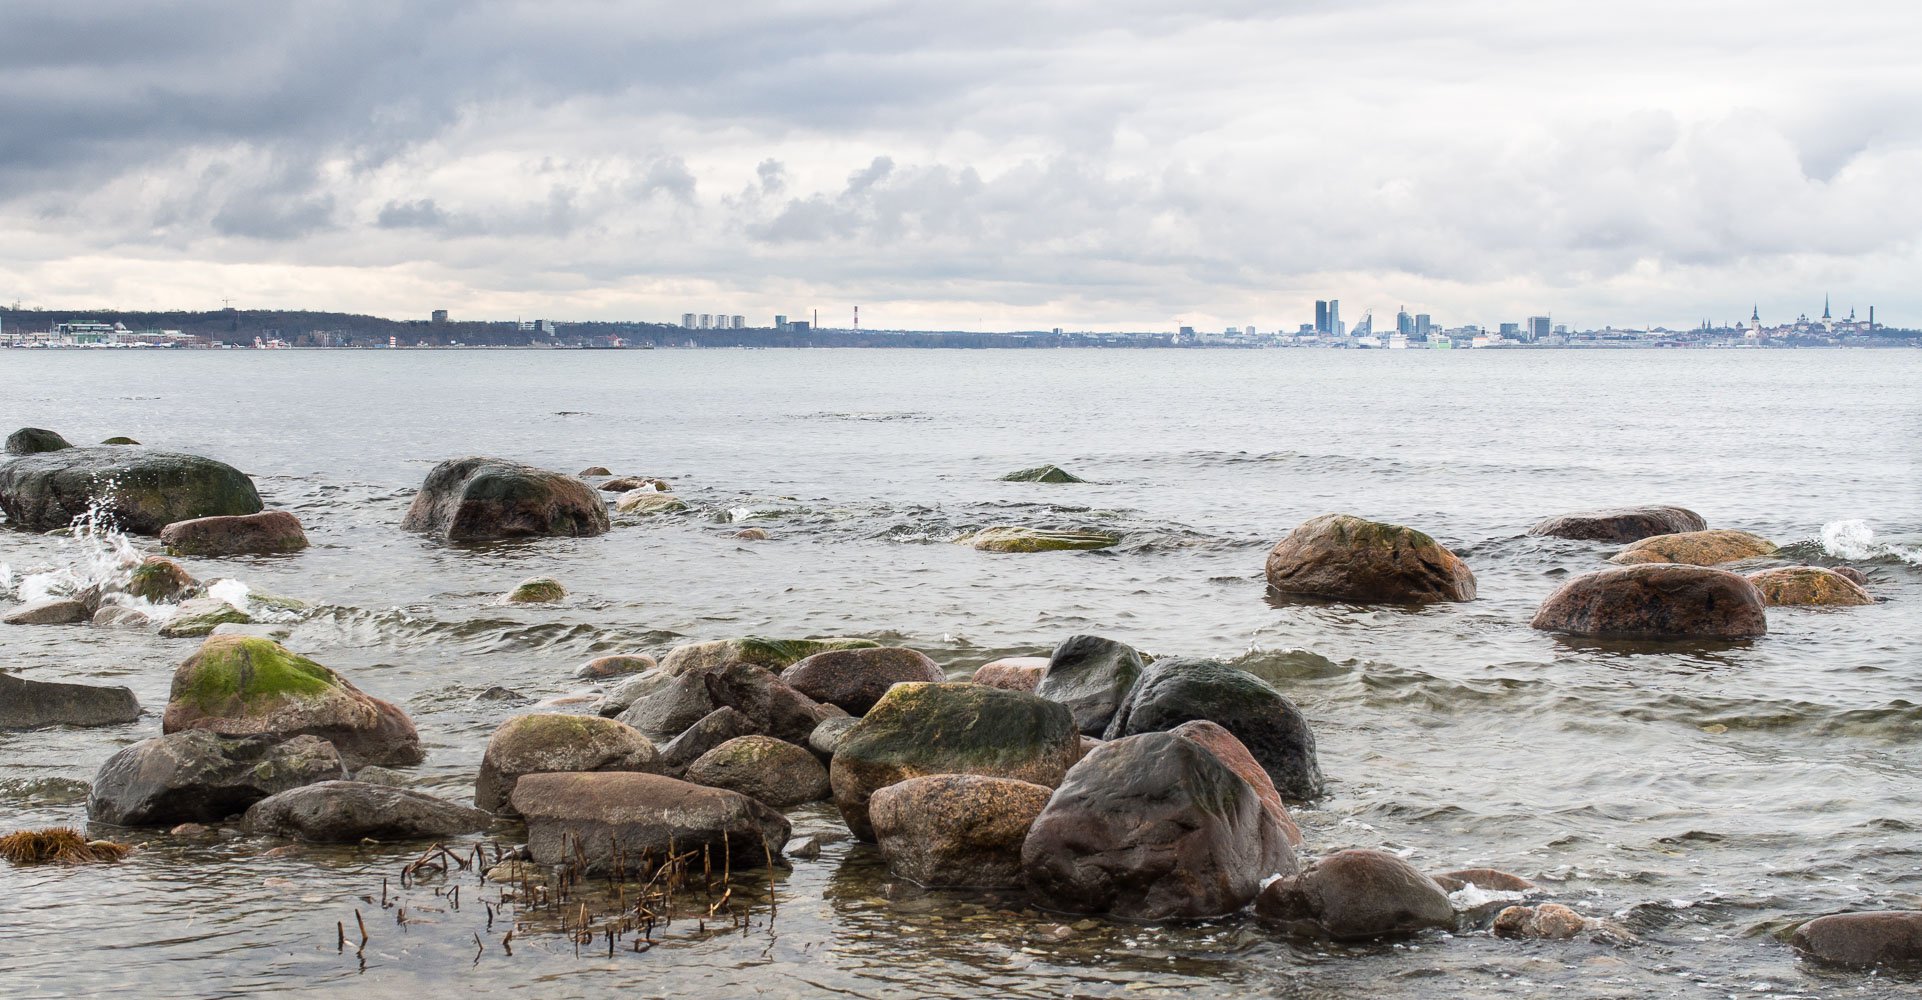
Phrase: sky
[983,165]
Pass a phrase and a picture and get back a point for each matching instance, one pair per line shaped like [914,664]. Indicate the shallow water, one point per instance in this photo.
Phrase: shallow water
[1702,796]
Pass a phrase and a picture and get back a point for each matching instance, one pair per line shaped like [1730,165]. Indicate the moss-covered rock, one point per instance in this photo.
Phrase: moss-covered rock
[1809,586]
[1341,557]
[245,686]
[1042,474]
[199,617]
[139,490]
[483,499]
[950,728]
[616,665]
[546,743]
[771,654]
[1695,548]
[34,441]
[120,439]
[648,501]
[776,772]
[160,580]
[536,590]
[1009,538]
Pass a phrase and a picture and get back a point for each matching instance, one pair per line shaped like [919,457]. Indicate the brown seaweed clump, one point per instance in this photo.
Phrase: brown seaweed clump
[63,845]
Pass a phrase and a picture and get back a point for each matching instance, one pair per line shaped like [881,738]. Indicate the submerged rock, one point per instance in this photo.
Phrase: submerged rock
[199,617]
[855,679]
[1357,894]
[197,776]
[34,441]
[1621,524]
[1808,586]
[1341,557]
[772,654]
[1016,673]
[1092,676]
[647,500]
[1229,751]
[26,704]
[242,686]
[160,580]
[1863,940]
[752,534]
[1042,474]
[1490,879]
[1175,690]
[956,829]
[270,532]
[1695,548]
[482,499]
[773,771]
[536,590]
[1853,575]
[347,812]
[627,484]
[1548,921]
[53,611]
[120,439]
[542,743]
[1009,538]
[1153,827]
[1656,602]
[594,470]
[616,665]
[626,820]
[138,490]
[950,728]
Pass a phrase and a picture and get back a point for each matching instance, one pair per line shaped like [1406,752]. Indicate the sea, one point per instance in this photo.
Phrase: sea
[1697,798]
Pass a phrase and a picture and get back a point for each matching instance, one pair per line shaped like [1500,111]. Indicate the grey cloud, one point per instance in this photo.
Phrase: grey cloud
[421,213]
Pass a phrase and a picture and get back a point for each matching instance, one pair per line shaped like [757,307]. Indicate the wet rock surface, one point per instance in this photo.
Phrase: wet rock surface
[139,490]
[55,611]
[1863,940]
[1175,690]
[1012,538]
[347,812]
[1656,602]
[1231,752]
[613,818]
[1358,894]
[271,532]
[483,499]
[30,704]
[854,679]
[541,743]
[1809,586]
[1621,524]
[1092,676]
[1016,673]
[198,776]
[1341,557]
[34,441]
[956,829]
[773,771]
[1695,548]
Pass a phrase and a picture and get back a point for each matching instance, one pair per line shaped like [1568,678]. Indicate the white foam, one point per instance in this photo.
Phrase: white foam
[1470,896]
[234,592]
[1852,539]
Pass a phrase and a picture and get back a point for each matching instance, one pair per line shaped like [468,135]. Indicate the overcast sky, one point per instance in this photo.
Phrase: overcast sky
[979,164]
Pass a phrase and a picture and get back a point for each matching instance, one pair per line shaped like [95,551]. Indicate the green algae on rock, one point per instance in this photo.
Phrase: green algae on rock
[773,654]
[138,490]
[536,590]
[1695,548]
[1809,586]
[159,580]
[1042,474]
[647,501]
[1009,538]
[35,441]
[200,616]
[1342,557]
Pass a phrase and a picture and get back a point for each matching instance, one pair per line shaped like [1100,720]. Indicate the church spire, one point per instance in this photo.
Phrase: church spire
[1825,307]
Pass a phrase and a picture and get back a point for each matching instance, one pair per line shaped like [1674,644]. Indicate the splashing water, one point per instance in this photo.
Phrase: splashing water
[233,592]
[1854,539]
[96,558]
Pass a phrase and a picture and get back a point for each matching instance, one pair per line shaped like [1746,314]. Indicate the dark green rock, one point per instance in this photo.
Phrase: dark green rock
[138,490]
[1092,676]
[484,499]
[35,440]
[1175,690]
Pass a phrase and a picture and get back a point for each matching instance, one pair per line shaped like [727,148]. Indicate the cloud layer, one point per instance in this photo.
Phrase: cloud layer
[986,165]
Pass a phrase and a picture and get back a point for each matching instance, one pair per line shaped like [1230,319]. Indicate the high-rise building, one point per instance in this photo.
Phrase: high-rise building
[780,321]
[687,321]
[440,315]
[738,322]
[1423,325]
[1321,316]
[1404,323]
[1538,328]
[1334,319]
[1511,331]
[707,321]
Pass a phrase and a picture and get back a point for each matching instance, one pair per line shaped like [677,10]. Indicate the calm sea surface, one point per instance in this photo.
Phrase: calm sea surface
[1701,797]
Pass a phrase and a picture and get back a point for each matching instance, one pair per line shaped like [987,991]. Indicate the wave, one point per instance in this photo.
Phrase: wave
[1855,541]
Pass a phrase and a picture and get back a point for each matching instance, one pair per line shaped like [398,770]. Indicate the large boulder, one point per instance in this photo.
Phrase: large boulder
[1153,827]
[761,767]
[199,777]
[1230,751]
[543,743]
[270,532]
[347,812]
[1092,676]
[1695,548]
[138,490]
[855,679]
[1341,557]
[1358,894]
[776,709]
[1656,602]
[26,704]
[244,685]
[1808,586]
[772,654]
[626,820]
[1010,538]
[950,728]
[1621,524]
[483,499]
[1175,690]
[52,611]
[1016,673]
[956,829]
[34,441]
[1863,940]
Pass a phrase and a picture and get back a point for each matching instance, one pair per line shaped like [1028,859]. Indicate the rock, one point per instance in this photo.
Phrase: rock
[242,686]
[1016,673]
[483,499]
[160,580]
[26,704]
[594,470]
[1153,827]
[191,830]
[1230,752]
[593,816]
[1621,524]
[950,728]
[1808,586]
[199,617]
[120,439]
[1695,548]
[197,776]
[514,870]
[956,829]
[270,532]
[121,616]
[1853,575]
[34,441]
[624,694]
[542,743]
[712,730]
[855,679]
[1359,894]
[752,534]
[628,484]
[1489,879]
[1042,474]
[138,490]
[762,767]
[275,632]
[1009,538]
[669,710]
[1341,557]
[347,812]
[646,501]
[778,709]
[55,611]
[1175,690]
[536,590]
[827,737]
[1863,940]
[1656,602]
[805,848]
[773,654]
[1092,676]
[1549,921]
[375,775]
[617,665]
